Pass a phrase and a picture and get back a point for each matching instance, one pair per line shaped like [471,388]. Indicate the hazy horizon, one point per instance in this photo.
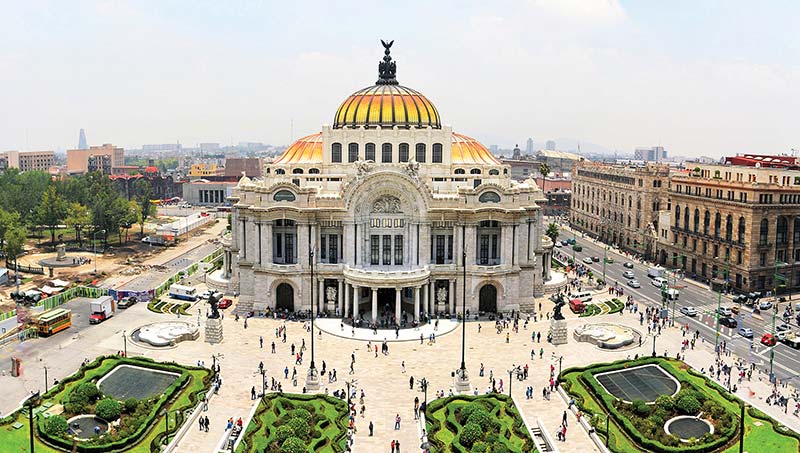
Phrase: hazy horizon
[697,77]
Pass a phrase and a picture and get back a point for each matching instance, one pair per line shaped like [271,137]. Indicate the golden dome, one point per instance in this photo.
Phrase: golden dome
[387,106]
[306,150]
[466,150]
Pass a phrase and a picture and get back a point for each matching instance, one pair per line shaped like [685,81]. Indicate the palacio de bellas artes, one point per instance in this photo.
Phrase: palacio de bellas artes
[385,217]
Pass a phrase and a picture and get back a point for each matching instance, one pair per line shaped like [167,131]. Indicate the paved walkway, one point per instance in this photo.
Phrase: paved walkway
[333,326]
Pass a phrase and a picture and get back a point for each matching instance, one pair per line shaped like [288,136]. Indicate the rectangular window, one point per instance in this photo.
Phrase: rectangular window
[739,257]
[781,256]
[374,250]
[387,249]
[483,251]
[420,154]
[440,249]
[289,248]
[369,152]
[333,251]
[762,260]
[398,249]
[279,245]
[336,153]
[796,255]
[403,152]
[450,247]
[323,247]
[495,249]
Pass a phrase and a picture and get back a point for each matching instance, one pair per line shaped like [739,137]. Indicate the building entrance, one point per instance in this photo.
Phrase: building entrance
[284,297]
[488,299]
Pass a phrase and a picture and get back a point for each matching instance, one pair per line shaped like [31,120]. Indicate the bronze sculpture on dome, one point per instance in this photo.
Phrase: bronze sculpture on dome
[387,68]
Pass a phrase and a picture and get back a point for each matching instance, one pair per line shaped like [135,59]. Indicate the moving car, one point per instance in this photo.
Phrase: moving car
[577,248]
[764,305]
[783,328]
[609,260]
[746,332]
[127,302]
[724,311]
[225,303]
[557,244]
[768,340]
[689,311]
[577,306]
[102,308]
[633,283]
[628,274]
[565,242]
[658,282]
[587,260]
[727,321]
[734,309]
[571,241]
[596,259]
[628,265]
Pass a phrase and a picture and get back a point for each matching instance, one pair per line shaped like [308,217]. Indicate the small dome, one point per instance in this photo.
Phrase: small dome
[466,150]
[305,150]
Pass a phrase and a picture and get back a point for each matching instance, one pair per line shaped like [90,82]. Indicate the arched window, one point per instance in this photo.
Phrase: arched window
[313,171]
[797,231]
[489,197]
[696,220]
[336,153]
[297,171]
[283,195]
[369,152]
[729,228]
[686,218]
[717,224]
[782,231]
[677,216]
[494,172]
[420,154]
[352,152]
[706,222]
[437,153]
[763,232]
[475,171]
[505,171]
[459,171]
[280,171]
[403,149]
[386,153]
[740,237]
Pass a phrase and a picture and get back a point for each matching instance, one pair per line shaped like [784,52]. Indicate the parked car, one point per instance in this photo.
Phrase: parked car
[127,302]
[727,321]
[689,311]
[764,305]
[557,244]
[628,274]
[596,259]
[724,311]
[768,340]
[609,260]
[633,283]
[225,303]
[565,242]
[577,247]
[783,328]
[628,265]
[734,309]
[587,260]
[746,332]
[571,241]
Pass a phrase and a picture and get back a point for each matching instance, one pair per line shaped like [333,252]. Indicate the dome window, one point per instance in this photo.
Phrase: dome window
[313,171]
[297,171]
[283,195]
[489,197]
[386,153]
[403,157]
[475,171]
[336,153]
[369,152]
[280,171]
[494,172]
[460,171]
[437,153]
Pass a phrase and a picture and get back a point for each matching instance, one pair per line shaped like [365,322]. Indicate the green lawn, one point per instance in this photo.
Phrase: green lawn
[445,431]
[328,424]
[17,440]
[760,435]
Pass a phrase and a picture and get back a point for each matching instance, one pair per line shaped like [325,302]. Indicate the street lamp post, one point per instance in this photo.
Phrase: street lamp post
[510,379]
[32,400]
[45,379]
[312,380]
[124,343]
[263,382]
[462,380]
[776,277]
[654,344]
[94,247]
[719,305]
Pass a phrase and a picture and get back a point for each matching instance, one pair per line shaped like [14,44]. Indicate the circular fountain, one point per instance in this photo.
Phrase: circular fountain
[165,334]
[607,335]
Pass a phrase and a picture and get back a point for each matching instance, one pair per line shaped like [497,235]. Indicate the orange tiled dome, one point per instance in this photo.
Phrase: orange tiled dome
[387,105]
[467,150]
[306,150]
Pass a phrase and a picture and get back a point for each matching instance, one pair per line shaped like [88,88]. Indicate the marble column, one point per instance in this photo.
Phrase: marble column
[417,289]
[451,296]
[321,302]
[266,231]
[346,311]
[397,293]
[430,295]
[356,300]
[374,304]
[339,303]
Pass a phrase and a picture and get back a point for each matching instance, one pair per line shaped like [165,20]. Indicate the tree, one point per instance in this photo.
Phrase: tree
[293,445]
[14,242]
[56,425]
[7,220]
[544,169]
[108,409]
[132,216]
[78,218]
[52,211]
[552,232]
[143,193]
[109,212]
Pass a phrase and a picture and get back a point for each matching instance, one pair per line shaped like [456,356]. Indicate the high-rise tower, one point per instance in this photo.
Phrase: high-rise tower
[82,140]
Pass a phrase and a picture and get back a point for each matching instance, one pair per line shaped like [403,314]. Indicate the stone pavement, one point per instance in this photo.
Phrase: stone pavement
[333,326]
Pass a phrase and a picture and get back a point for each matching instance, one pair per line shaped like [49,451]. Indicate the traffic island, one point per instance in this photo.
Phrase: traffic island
[485,423]
[629,404]
[285,422]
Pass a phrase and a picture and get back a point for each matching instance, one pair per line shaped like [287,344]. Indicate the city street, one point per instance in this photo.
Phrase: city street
[786,362]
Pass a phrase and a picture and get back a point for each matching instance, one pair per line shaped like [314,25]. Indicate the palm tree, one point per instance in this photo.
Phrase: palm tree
[544,170]
[552,232]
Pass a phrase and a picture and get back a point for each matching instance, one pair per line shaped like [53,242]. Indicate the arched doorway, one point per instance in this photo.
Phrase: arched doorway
[488,299]
[284,297]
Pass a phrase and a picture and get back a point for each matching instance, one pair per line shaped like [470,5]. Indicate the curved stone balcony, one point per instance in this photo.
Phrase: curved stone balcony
[226,239]
[387,278]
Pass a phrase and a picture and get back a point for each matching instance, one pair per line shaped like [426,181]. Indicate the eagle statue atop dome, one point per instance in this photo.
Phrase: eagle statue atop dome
[387,68]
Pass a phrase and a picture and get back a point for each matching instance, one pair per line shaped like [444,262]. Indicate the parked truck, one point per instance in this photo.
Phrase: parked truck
[182,292]
[102,309]
[792,340]
[656,272]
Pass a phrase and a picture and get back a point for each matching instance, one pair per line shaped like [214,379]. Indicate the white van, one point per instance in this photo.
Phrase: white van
[583,296]
[658,282]
[181,292]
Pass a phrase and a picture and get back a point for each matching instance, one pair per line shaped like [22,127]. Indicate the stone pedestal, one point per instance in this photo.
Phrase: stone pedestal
[558,331]
[312,380]
[462,383]
[61,252]
[213,330]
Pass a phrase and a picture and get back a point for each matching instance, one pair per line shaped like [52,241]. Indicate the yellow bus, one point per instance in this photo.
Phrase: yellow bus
[53,321]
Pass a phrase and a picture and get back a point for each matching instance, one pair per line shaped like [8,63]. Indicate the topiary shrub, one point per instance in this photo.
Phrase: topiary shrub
[302,414]
[299,427]
[108,409]
[130,405]
[470,434]
[56,425]
[293,445]
[481,418]
[640,408]
[282,433]
[687,404]
[665,402]
[480,447]
[468,409]
[88,390]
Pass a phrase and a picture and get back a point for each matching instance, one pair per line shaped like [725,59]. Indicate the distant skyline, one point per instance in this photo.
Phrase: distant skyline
[697,77]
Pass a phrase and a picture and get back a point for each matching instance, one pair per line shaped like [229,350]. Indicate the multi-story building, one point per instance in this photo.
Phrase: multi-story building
[391,214]
[743,218]
[250,166]
[95,158]
[203,170]
[652,154]
[28,160]
[619,203]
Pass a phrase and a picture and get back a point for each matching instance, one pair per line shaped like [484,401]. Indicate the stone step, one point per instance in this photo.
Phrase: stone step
[242,308]
[539,441]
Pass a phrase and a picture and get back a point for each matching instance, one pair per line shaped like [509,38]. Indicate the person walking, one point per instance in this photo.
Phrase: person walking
[261,342]
[392,445]
[201,423]
[564,419]
[371,427]
[207,423]
[397,421]
[411,383]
